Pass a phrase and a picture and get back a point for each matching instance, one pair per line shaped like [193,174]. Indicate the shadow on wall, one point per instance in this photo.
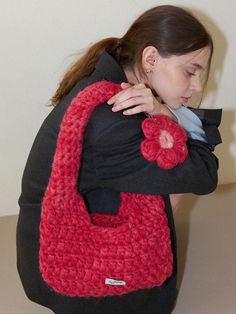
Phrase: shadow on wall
[217,65]
[227,170]
[182,218]
[198,204]
[182,223]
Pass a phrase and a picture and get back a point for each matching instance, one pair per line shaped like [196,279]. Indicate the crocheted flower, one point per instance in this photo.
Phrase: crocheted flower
[165,142]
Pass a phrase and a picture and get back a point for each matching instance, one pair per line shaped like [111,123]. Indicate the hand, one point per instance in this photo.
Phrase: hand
[137,98]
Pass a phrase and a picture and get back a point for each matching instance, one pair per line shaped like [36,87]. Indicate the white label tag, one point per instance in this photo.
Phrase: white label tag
[114,282]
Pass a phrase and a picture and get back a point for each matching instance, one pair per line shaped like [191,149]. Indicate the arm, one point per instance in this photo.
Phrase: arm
[200,124]
[120,165]
[134,99]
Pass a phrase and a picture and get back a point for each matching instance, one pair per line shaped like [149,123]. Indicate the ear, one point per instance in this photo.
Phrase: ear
[149,58]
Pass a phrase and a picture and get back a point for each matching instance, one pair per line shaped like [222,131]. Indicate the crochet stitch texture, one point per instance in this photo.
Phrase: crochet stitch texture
[165,142]
[100,254]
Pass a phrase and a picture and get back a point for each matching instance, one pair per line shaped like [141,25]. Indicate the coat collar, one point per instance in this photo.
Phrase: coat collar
[110,69]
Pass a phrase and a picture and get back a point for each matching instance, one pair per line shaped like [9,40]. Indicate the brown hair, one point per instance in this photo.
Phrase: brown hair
[172,30]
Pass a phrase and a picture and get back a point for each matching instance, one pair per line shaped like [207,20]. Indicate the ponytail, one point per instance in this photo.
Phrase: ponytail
[172,30]
[82,68]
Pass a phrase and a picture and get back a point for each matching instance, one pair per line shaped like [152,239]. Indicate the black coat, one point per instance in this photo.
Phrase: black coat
[111,163]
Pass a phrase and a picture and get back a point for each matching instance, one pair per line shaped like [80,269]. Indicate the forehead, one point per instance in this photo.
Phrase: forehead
[198,58]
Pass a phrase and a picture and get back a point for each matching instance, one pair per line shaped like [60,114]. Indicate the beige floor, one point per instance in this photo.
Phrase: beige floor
[206,229]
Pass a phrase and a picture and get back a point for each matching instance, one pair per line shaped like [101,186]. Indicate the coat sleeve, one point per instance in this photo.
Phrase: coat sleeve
[119,164]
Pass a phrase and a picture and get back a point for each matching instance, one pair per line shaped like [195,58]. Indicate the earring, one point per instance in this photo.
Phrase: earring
[153,63]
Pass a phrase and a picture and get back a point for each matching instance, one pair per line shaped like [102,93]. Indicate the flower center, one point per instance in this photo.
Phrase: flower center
[165,139]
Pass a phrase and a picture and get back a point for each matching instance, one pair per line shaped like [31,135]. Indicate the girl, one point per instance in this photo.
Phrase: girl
[151,71]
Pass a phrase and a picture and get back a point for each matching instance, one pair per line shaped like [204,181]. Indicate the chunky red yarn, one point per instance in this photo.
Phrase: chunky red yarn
[165,142]
[98,255]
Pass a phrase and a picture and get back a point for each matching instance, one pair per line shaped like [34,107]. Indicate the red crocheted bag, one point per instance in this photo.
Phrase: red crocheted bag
[103,255]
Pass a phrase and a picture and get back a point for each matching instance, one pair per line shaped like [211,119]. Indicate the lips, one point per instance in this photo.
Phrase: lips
[185,99]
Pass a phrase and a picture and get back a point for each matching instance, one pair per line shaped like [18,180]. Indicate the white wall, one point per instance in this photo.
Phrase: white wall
[38,39]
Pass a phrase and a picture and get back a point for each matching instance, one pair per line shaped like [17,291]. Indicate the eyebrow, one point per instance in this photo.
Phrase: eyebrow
[198,66]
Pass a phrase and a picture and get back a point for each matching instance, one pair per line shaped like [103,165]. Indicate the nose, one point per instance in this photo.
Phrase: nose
[196,85]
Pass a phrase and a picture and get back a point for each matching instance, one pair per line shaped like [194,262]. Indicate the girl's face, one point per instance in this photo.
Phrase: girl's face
[176,78]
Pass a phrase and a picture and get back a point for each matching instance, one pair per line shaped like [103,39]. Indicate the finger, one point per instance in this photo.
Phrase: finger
[113,99]
[131,102]
[125,85]
[140,86]
[134,110]
[130,92]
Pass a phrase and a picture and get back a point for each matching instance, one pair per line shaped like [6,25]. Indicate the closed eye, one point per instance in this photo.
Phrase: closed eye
[190,73]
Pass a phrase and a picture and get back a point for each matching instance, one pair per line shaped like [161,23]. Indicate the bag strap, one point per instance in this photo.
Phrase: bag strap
[67,159]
